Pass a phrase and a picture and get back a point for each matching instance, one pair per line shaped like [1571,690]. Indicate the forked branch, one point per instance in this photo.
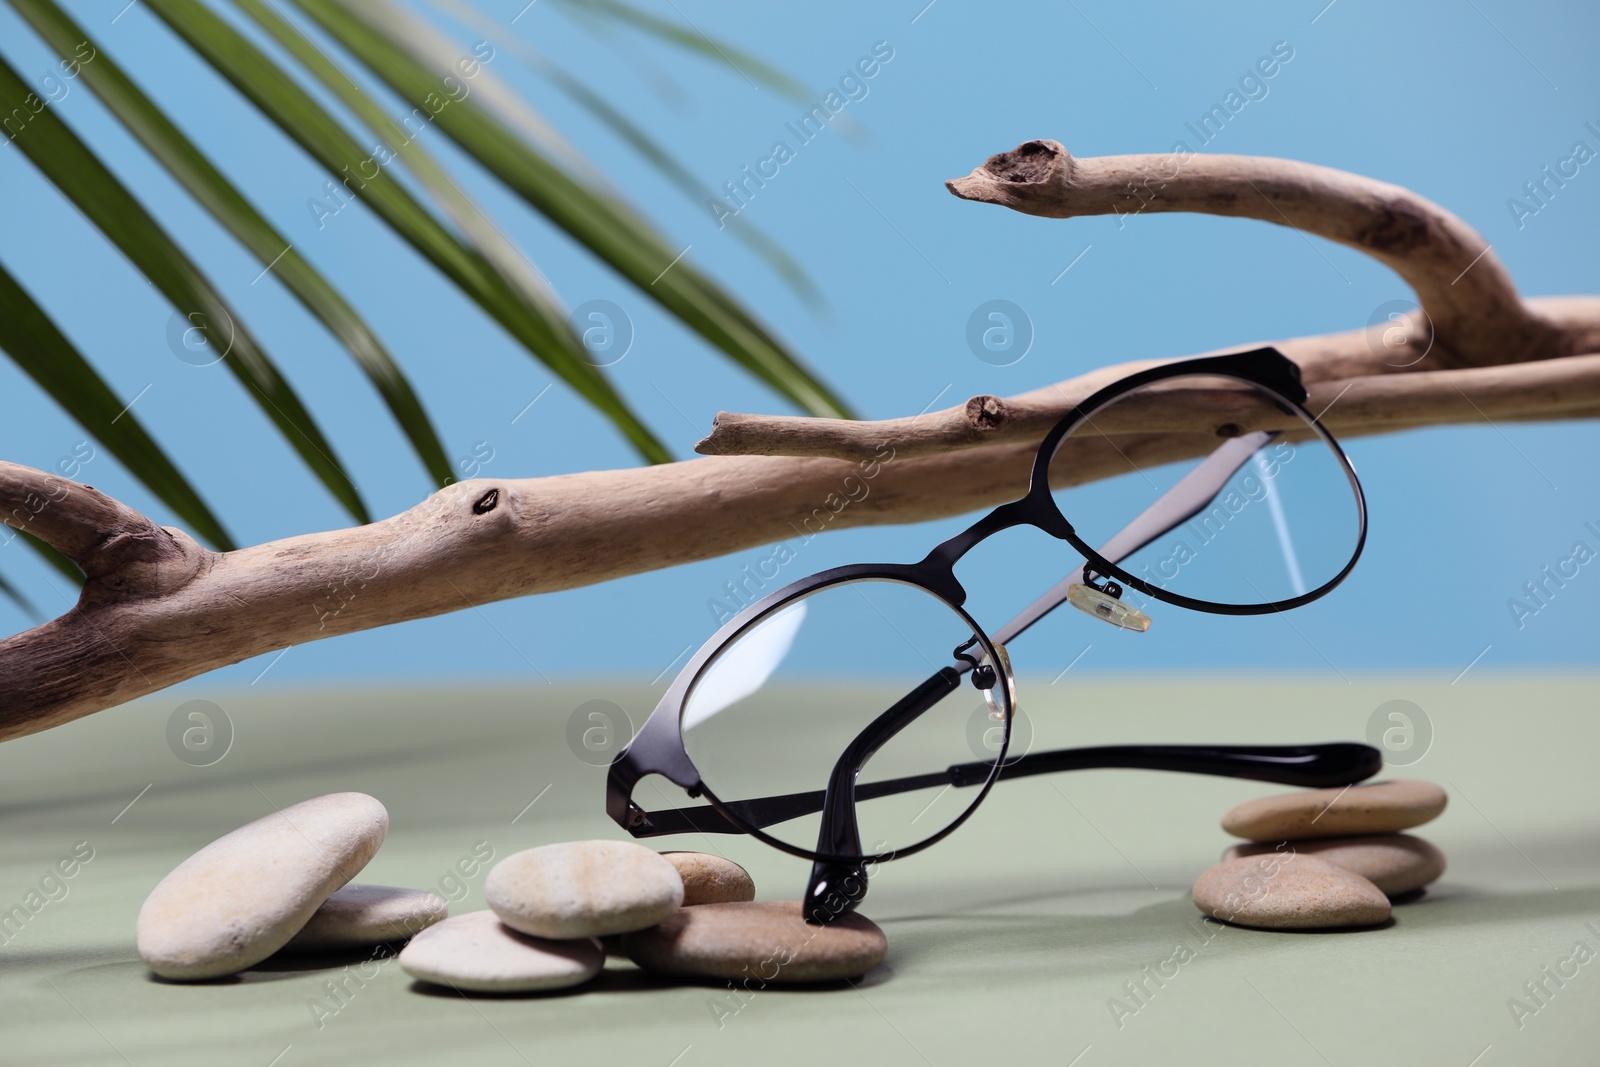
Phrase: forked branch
[157,607]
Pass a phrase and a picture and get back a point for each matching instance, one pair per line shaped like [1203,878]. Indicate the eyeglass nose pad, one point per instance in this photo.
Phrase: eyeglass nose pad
[1107,606]
[835,889]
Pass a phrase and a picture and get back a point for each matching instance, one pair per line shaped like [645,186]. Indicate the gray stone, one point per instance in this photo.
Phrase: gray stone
[758,942]
[1288,892]
[711,879]
[1395,863]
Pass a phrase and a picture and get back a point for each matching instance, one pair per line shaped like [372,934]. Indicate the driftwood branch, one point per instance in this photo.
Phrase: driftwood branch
[1564,387]
[1461,284]
[157,608]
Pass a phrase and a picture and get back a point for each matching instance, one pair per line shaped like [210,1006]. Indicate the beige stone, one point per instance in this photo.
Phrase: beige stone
[583,889]
[758,942]
[711,879]
[242,897]
[478,952]
[1288,892]
[1395,863]
[1359,809]
[361,915]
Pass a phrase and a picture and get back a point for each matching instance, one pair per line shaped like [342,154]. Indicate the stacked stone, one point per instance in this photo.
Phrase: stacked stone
[1324,858]
[282,883]
[279,883]
[677,913]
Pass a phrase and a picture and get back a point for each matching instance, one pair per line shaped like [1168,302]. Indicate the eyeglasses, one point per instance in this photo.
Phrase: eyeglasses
[835,710]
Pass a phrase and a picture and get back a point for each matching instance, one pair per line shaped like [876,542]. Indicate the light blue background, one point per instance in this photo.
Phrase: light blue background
[1431,96]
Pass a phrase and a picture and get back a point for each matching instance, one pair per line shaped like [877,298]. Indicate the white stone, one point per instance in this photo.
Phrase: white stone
[242,897]
[361,915]
[476,951]
[583,889]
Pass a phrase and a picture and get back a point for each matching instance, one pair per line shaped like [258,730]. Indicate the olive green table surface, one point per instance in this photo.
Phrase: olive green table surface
[1046,930]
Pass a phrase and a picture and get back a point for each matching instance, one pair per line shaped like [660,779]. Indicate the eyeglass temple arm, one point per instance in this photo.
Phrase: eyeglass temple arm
[1310,766]
[1189,496]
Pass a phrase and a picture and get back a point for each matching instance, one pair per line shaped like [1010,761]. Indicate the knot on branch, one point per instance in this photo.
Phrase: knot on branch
[1040,162]
[122,553]
[141,560]
[985,413]
[1401,227]
[1028,163]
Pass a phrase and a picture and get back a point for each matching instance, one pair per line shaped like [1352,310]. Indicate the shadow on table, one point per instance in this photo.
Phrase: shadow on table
[619,975]
[286,770]
[1006,933]
[1010,930]
[629,979]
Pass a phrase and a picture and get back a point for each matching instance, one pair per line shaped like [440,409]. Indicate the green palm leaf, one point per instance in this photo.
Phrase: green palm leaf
[752,236]
[637,138]
[80,176]
[507,137]
[43,353]
[601,223]
[752,68]
[195,172]
[535,322]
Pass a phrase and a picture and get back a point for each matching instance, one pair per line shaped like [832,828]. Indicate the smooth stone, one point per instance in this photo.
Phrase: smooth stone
[1382,808]
[583,889]
[361,915]
[758,941]
[1288,892]
[477,951]
[1395,863]
[242,897]
[711,879]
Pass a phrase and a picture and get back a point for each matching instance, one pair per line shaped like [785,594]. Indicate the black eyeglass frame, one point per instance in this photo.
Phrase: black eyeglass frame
[658,747]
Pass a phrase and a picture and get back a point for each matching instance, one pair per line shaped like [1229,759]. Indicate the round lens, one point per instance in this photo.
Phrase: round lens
[1247,503]
[886,670]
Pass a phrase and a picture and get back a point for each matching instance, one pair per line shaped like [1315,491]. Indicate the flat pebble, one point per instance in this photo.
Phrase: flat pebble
[759,942]
[477,951]
[583,889]
[1395,863]
[242,897]
[1360,809]
[361,915]
[711,879]
[1288,892]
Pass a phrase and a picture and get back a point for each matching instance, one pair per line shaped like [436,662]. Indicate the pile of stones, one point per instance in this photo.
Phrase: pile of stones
[1324,858]
[282,884]
[1313,859]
